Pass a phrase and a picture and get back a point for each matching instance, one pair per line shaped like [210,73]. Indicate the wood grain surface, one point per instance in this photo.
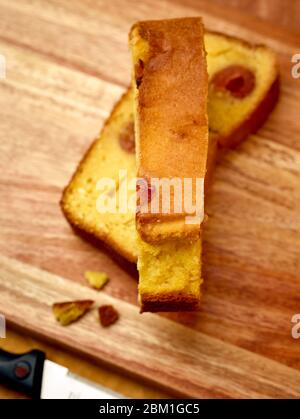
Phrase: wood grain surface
[204,365]
[67,63]
[282,13]
[21,341]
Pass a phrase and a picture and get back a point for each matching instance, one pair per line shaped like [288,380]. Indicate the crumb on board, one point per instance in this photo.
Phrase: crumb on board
[108,315]
[96,279]
[68,312]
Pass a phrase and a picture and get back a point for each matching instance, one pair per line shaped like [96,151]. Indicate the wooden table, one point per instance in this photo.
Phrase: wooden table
[287,16]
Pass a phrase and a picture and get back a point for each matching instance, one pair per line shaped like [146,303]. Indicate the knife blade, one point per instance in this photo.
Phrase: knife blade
[59,383]
[32,374]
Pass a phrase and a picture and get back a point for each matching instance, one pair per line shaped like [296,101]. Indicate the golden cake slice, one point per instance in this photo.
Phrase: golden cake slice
[170,83]
[114,150]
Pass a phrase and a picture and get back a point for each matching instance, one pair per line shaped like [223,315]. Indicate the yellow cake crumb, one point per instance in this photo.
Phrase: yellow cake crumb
[70,311]
[96,280]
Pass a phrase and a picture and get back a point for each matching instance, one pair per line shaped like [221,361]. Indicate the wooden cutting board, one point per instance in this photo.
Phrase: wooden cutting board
[67,63]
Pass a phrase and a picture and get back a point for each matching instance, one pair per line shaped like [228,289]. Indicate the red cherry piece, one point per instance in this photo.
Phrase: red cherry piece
[235,79]
[145,190]
[127,139]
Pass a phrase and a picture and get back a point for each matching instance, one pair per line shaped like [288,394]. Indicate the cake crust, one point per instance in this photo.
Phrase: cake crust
[169,303]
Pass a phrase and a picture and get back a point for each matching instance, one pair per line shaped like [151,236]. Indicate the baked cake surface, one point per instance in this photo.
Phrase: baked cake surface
[170,83]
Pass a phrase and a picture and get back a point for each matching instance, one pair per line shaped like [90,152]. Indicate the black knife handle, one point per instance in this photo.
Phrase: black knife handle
[23,372]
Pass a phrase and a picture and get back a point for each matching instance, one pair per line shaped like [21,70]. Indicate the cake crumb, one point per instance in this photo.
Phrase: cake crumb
[96,280]
[108,315]
[68,312]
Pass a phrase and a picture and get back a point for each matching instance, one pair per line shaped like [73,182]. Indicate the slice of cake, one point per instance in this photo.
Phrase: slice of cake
[171,131]
[232,117]
[170,83]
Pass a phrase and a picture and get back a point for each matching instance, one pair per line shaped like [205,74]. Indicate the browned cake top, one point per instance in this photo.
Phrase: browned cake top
[171,119]
[172,94]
